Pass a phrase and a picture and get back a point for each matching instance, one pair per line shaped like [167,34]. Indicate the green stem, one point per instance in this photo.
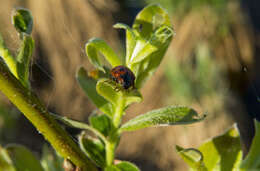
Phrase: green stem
[110,152]
[28,103]
[119,111]
[111,141]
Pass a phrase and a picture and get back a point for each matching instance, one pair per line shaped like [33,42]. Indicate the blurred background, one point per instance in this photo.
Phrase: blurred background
[211,65]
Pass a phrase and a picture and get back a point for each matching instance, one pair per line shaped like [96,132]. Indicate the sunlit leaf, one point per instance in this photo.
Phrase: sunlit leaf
[96,46]
[116,94]
[94,149]
[7,56]
[23,159]
[130,40]
[88,84]
[153,34]
[127,166]
[107,89]
[142,50]
[252,160]
[149,19]
[192,157]
[22,20]
[163,117]
[223,151]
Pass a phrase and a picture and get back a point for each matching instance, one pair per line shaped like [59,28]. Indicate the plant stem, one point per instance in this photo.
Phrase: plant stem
[111,141]
[110,152]
[28,103]
[119,111]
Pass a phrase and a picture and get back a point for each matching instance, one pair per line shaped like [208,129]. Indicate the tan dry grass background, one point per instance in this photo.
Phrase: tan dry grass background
[61,28]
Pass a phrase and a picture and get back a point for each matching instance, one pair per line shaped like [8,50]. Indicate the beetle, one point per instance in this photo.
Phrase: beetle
[123,76]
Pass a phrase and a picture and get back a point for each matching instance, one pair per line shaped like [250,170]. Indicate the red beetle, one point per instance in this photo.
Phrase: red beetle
[124,76]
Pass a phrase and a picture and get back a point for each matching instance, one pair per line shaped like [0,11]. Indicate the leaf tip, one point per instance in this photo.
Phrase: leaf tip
[22,20]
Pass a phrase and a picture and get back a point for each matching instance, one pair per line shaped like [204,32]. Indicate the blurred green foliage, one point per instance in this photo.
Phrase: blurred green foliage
[194,79]
[8,120]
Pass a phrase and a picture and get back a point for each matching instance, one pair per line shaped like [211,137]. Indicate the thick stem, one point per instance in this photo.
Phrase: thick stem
[28,103]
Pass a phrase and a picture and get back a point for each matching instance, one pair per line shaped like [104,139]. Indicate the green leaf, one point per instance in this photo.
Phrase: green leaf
[88,84]
[130,40]
[192,157]
[51,161]
[24,58]
[102,123]
[23,159]
[223,152]
[112,168]
[22,20]
[7,56]
[127,166]
[95,46]
[163,117]
[107,89]
[152,35]
[80,125]
[150,19]
[6,163]
[252,160]
[94,149]
[142,50]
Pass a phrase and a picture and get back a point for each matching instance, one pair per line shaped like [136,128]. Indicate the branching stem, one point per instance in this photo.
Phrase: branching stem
[28,103]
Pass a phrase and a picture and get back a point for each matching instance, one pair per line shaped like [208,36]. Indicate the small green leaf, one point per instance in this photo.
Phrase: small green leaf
[7,56]
[22,20]
[24,58]
[149,19]
[252,160]
[223,152]
[127,166]
[88,84]
[102,123]
[79,125]
[23,159]
[95,46]
[142,50]
[192,157]
[163,117]
[94,149]
[130,41]
[6,163]
[107,89]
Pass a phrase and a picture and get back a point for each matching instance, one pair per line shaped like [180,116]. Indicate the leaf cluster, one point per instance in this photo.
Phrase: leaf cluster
[146,43]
